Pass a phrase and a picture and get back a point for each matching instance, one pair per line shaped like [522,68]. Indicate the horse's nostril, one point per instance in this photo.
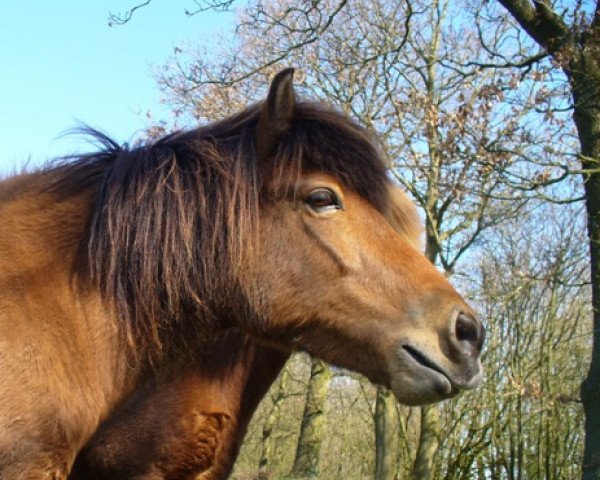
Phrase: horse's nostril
[466,329]
[470,331]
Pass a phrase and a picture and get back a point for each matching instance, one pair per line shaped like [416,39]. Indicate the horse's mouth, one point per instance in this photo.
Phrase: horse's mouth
[446,386]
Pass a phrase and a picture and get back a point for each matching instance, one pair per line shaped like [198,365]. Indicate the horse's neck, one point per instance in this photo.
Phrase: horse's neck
[215,394]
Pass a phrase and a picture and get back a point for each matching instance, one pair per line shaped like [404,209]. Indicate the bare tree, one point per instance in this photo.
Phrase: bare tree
[569,34]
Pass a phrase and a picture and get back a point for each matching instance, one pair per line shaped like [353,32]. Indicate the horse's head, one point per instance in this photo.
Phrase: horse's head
[338,268]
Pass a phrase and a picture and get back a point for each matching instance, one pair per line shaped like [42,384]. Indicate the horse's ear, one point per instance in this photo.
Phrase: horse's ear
[277,112]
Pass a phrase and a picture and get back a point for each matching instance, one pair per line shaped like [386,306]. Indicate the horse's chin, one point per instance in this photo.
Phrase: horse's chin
[411,392]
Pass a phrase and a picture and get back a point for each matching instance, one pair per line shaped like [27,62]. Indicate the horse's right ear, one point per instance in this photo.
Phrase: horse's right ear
[276,115]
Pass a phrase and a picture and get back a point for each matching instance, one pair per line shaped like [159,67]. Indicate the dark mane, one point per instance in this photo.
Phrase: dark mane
[173,221]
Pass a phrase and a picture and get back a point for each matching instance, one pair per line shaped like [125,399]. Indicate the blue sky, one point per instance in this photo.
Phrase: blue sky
[61,63]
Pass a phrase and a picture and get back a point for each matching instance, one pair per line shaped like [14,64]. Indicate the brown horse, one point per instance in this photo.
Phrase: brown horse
[150,296]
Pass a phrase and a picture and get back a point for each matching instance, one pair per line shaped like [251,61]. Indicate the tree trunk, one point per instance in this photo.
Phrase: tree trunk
[385,435]
[268,443]
[587,120]
[428,444]
[306,463]
[590,388]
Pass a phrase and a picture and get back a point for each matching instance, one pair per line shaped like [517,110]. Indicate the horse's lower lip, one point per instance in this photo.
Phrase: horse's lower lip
[426,362]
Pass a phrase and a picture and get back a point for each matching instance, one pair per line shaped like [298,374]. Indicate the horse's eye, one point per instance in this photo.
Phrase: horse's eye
[323,199]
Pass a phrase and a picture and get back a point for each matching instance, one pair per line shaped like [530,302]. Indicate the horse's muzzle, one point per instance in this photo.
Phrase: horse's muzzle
[426,371]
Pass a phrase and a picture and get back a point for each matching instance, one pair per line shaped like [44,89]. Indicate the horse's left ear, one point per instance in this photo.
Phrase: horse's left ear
[277,112]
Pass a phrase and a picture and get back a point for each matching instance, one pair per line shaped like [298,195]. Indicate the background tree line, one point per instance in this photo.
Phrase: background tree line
[489,115]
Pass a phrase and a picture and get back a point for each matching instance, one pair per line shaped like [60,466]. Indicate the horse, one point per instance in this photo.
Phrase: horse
[149,295]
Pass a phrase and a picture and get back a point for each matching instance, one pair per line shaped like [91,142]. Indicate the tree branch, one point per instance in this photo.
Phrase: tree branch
[540,22]
[527,62]
[123,18]
[117,19]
